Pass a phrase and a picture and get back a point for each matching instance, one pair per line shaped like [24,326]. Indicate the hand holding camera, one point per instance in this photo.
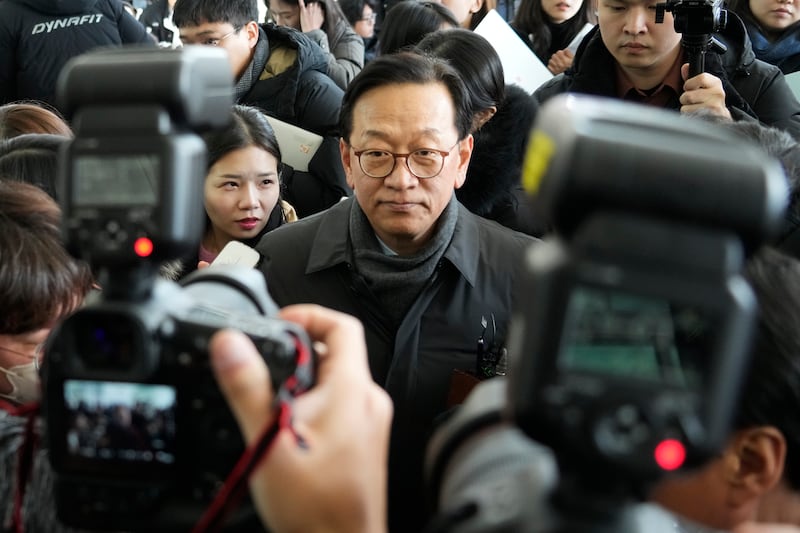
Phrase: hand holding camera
[343,422]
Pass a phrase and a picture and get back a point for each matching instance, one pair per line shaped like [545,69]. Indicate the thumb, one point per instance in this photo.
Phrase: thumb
[685,71]
[244,380]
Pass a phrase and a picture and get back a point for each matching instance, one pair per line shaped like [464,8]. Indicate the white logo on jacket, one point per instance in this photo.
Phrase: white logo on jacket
[47,27]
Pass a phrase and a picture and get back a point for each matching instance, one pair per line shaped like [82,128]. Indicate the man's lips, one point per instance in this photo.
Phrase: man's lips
[398,205]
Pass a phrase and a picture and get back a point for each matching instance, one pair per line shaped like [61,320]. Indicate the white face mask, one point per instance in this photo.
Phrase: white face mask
[24,381]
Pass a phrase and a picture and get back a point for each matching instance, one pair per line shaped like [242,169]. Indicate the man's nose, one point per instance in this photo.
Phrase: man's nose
[636,20]
[401,176]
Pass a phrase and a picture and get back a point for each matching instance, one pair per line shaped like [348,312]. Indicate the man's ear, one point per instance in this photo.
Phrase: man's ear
[344,151]
[464,151]
[754,462]
[251,30]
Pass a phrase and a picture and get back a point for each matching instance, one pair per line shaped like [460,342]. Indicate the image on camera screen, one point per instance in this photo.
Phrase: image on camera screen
[619,334]
[115,421]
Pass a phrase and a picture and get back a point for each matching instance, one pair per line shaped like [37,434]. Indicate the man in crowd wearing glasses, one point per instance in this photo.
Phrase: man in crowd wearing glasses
[285,74]
[427,278]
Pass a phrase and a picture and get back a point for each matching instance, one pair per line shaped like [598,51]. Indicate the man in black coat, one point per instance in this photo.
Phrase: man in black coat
[282,72]
[426,277]
[631,57]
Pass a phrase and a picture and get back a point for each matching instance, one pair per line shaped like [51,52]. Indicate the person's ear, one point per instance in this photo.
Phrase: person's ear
[344,151]
[482,117]
[476,6]
[464,154]
[251,31]
[754,463]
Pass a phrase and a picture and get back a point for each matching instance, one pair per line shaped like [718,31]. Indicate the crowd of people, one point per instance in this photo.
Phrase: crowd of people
[400,247]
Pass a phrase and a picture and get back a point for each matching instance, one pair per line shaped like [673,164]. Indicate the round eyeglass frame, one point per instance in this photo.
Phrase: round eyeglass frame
[442,153]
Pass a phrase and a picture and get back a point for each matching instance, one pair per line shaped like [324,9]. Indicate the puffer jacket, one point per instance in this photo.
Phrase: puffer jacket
[345,53]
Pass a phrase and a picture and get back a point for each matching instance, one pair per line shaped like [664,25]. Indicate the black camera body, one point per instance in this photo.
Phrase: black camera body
[139,435]
[628,350]
[696,21]
[138,432]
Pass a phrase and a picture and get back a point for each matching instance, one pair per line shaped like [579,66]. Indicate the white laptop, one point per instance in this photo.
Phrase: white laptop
[297,145]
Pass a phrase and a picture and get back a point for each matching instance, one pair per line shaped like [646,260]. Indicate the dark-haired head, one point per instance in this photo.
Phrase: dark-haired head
[237,13]
[476,61]
[353,10]
[409,21]
[32,158]
[531,19]
[39,281]
[771,392]
[20,118]
[407,68]
[249,128]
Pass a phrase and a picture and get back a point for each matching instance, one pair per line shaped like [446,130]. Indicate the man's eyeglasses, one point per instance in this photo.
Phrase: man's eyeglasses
[212,41]
[424,163]
[370,18]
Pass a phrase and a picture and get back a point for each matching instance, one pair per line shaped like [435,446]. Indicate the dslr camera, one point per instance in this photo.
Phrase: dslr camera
[696,21]
[627,353]
[139,435]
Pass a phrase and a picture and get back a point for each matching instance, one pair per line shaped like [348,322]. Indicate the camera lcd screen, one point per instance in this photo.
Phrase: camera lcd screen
[117,180]
[615,333]
[121,422]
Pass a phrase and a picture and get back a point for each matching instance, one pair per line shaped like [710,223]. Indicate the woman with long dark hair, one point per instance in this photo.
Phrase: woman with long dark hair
[502,116]
[242,187]
[549,26]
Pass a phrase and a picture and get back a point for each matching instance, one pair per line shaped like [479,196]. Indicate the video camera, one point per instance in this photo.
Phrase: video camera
[696,21]
[139,435]
[628,350]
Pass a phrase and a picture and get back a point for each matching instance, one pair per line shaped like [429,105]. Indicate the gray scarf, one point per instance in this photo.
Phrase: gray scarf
[255,68]
[394,280]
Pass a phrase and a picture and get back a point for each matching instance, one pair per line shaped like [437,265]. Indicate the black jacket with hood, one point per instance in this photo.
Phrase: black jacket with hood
[753,89]
[294,85]
[37,37]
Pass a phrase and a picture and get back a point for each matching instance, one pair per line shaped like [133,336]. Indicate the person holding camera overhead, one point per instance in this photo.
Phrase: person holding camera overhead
[324,22]
[631,57]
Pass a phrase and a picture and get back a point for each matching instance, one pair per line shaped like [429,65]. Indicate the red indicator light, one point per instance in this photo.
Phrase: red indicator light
[143,247]
[670,454]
